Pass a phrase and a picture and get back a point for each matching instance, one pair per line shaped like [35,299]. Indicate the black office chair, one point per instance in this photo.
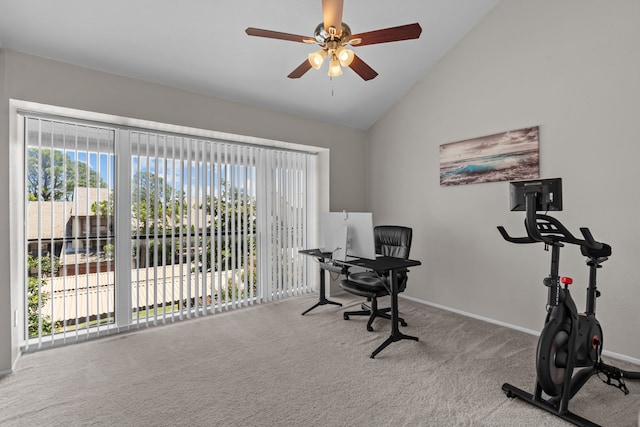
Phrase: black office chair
[390,240]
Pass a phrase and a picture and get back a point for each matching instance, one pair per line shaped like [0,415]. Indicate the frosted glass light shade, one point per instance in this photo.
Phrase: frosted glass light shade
[334,67]
[317,58]
[345,56]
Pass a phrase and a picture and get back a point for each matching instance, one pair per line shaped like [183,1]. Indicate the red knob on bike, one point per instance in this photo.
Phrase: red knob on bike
[566,280]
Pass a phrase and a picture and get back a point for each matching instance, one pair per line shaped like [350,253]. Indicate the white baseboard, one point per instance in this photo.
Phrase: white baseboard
[621,357]
[607,353]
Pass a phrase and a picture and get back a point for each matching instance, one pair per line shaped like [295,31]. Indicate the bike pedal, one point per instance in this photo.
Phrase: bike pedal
[614,378]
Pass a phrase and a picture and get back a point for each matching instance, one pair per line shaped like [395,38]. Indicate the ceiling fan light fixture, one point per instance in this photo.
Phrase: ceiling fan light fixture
[345,56]
[317,58]
[335,37]
[334,67]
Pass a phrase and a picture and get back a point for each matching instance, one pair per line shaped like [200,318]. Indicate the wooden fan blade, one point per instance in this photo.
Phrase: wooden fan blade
[393,34]
[275,35]
[362,69]
[332,14]
[299,72]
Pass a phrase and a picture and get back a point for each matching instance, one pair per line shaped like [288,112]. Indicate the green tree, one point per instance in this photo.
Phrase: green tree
[155,203]
[231,211]
[104,208]
[156,208]
[36,298]
[52,175]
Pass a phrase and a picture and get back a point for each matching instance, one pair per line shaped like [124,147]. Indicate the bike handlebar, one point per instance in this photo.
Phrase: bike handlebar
[508,238]
[589,239]
[549,230]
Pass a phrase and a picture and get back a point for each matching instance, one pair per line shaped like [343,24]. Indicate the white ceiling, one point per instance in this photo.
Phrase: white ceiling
[201,46]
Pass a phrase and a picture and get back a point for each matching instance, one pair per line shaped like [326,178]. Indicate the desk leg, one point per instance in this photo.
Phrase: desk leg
[396,335]
[323,299]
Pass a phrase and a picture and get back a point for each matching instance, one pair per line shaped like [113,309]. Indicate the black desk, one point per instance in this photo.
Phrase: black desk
[380,265]
[323,258]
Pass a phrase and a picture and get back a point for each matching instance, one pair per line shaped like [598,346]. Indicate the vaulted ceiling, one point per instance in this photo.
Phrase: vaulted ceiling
[201,46]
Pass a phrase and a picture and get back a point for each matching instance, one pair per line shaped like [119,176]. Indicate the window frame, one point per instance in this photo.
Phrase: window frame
[320,174]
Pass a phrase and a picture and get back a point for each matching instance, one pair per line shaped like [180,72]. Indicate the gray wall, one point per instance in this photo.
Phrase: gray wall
[36,79]
[573,68]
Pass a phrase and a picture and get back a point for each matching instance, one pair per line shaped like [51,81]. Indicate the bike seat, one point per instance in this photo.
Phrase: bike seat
[603,252]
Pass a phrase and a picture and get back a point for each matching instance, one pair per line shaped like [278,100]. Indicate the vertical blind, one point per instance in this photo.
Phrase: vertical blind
[69,176]
[160,227]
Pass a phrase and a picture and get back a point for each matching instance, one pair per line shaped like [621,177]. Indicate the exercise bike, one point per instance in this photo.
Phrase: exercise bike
[571,343]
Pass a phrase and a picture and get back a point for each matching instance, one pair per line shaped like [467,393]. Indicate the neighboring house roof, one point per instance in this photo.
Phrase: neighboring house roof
[47,220]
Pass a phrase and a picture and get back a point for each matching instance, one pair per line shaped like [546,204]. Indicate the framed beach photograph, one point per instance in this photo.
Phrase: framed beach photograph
[506,156]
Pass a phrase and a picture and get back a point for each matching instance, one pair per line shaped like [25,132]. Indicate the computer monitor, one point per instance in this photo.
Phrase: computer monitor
[548,194]
[360,239]
[359,242]
[333,230]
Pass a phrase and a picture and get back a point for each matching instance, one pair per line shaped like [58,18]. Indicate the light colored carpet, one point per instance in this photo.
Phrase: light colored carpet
[269,366]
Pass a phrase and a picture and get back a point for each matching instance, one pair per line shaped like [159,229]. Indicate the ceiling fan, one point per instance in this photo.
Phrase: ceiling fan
[334,37]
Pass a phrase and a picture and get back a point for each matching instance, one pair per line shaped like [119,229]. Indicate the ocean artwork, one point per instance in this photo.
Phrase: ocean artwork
[507,156]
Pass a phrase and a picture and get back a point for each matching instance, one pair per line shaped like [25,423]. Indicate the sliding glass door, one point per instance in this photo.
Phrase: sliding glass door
[193,210]
[130,227]
[69,226]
